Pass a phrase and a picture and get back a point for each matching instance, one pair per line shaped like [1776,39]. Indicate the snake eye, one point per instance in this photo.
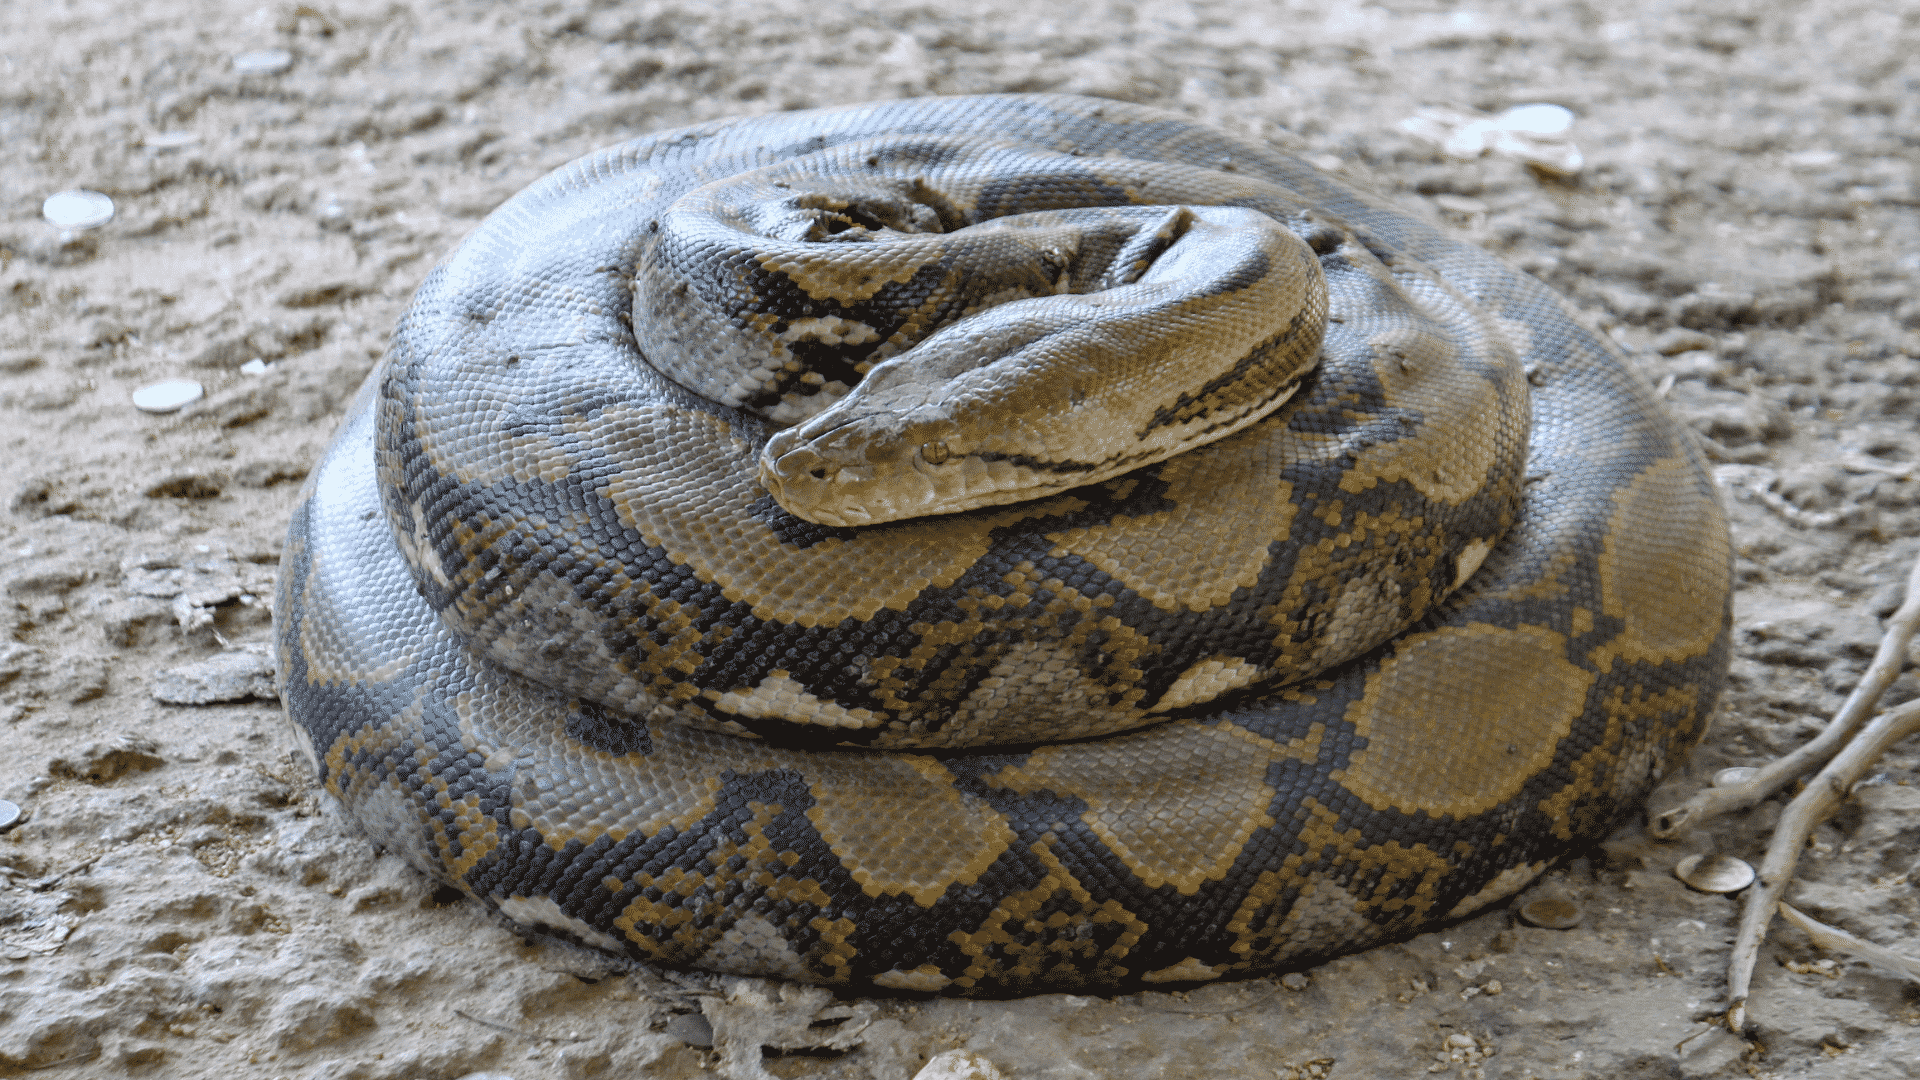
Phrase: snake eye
[934,453]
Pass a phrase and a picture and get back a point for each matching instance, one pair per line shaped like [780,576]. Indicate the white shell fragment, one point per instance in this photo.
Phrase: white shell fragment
[1714,873]
[168,396]
[1538,119]
[1739,774]
[77,209]
[263,62]
[1537,134]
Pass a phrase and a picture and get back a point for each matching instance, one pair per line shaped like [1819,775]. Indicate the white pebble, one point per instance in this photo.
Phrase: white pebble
[255,366]
[167,396]
[1537,119]
[77,209]
[264,62]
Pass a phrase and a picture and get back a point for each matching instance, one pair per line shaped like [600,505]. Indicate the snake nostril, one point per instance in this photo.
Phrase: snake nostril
[817,474]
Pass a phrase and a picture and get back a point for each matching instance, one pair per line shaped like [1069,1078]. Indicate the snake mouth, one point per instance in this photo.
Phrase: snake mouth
[814,486]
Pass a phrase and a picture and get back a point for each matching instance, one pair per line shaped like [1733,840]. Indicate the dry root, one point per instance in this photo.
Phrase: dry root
[1849,746]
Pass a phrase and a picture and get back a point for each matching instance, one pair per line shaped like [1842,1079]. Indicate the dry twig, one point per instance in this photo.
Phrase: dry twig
[1802,815]
[1711,802]
[1834,939]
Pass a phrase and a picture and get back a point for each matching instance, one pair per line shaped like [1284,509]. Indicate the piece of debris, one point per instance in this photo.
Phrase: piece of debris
[1551,912]
[1536,134]
[263,62]
[958,1065]
[758,1013]
[168,395]
[77,209]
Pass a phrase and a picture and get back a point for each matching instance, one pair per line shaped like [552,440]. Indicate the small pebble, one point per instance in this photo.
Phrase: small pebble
[1551,913]
[1536,119]
[255,366]
[168,396]
[1739,774]
[1714,873]
[77,209]
[263,62]
[9,815]
[692,1029]
[1293,980]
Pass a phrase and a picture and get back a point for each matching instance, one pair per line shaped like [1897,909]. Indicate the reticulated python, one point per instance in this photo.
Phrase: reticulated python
[1182,565]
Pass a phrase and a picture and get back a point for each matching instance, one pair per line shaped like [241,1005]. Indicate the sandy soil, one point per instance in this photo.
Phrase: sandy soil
[180,901]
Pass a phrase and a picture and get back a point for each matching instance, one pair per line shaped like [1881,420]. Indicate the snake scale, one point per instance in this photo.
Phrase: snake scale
[1063,660]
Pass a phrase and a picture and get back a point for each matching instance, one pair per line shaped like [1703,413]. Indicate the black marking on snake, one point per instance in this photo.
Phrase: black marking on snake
[594,725]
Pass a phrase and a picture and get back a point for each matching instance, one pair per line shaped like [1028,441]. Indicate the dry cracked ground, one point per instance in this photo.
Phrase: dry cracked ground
[181,902]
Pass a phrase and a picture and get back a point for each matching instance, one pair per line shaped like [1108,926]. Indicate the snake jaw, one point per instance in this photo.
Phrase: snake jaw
[863,472]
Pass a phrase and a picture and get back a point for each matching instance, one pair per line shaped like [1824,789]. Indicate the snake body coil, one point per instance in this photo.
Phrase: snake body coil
[760,552]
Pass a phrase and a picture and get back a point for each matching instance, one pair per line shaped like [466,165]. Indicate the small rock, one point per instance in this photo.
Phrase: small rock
[77,209]
[1293,980]
[958,1065]
[167,396]
[10,815]
[244,674]
[101,763]
[692,1029]
[255,366]
[263,62]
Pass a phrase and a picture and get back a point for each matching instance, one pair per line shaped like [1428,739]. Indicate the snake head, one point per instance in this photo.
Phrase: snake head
[869,469]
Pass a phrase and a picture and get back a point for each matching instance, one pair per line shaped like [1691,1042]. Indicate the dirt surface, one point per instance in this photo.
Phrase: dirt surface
[181,901]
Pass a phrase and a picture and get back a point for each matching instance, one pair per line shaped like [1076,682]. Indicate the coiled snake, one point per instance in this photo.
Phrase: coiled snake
[1098,635]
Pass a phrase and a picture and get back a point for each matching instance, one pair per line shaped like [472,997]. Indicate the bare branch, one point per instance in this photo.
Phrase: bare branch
[1803,814]
[1712,802]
